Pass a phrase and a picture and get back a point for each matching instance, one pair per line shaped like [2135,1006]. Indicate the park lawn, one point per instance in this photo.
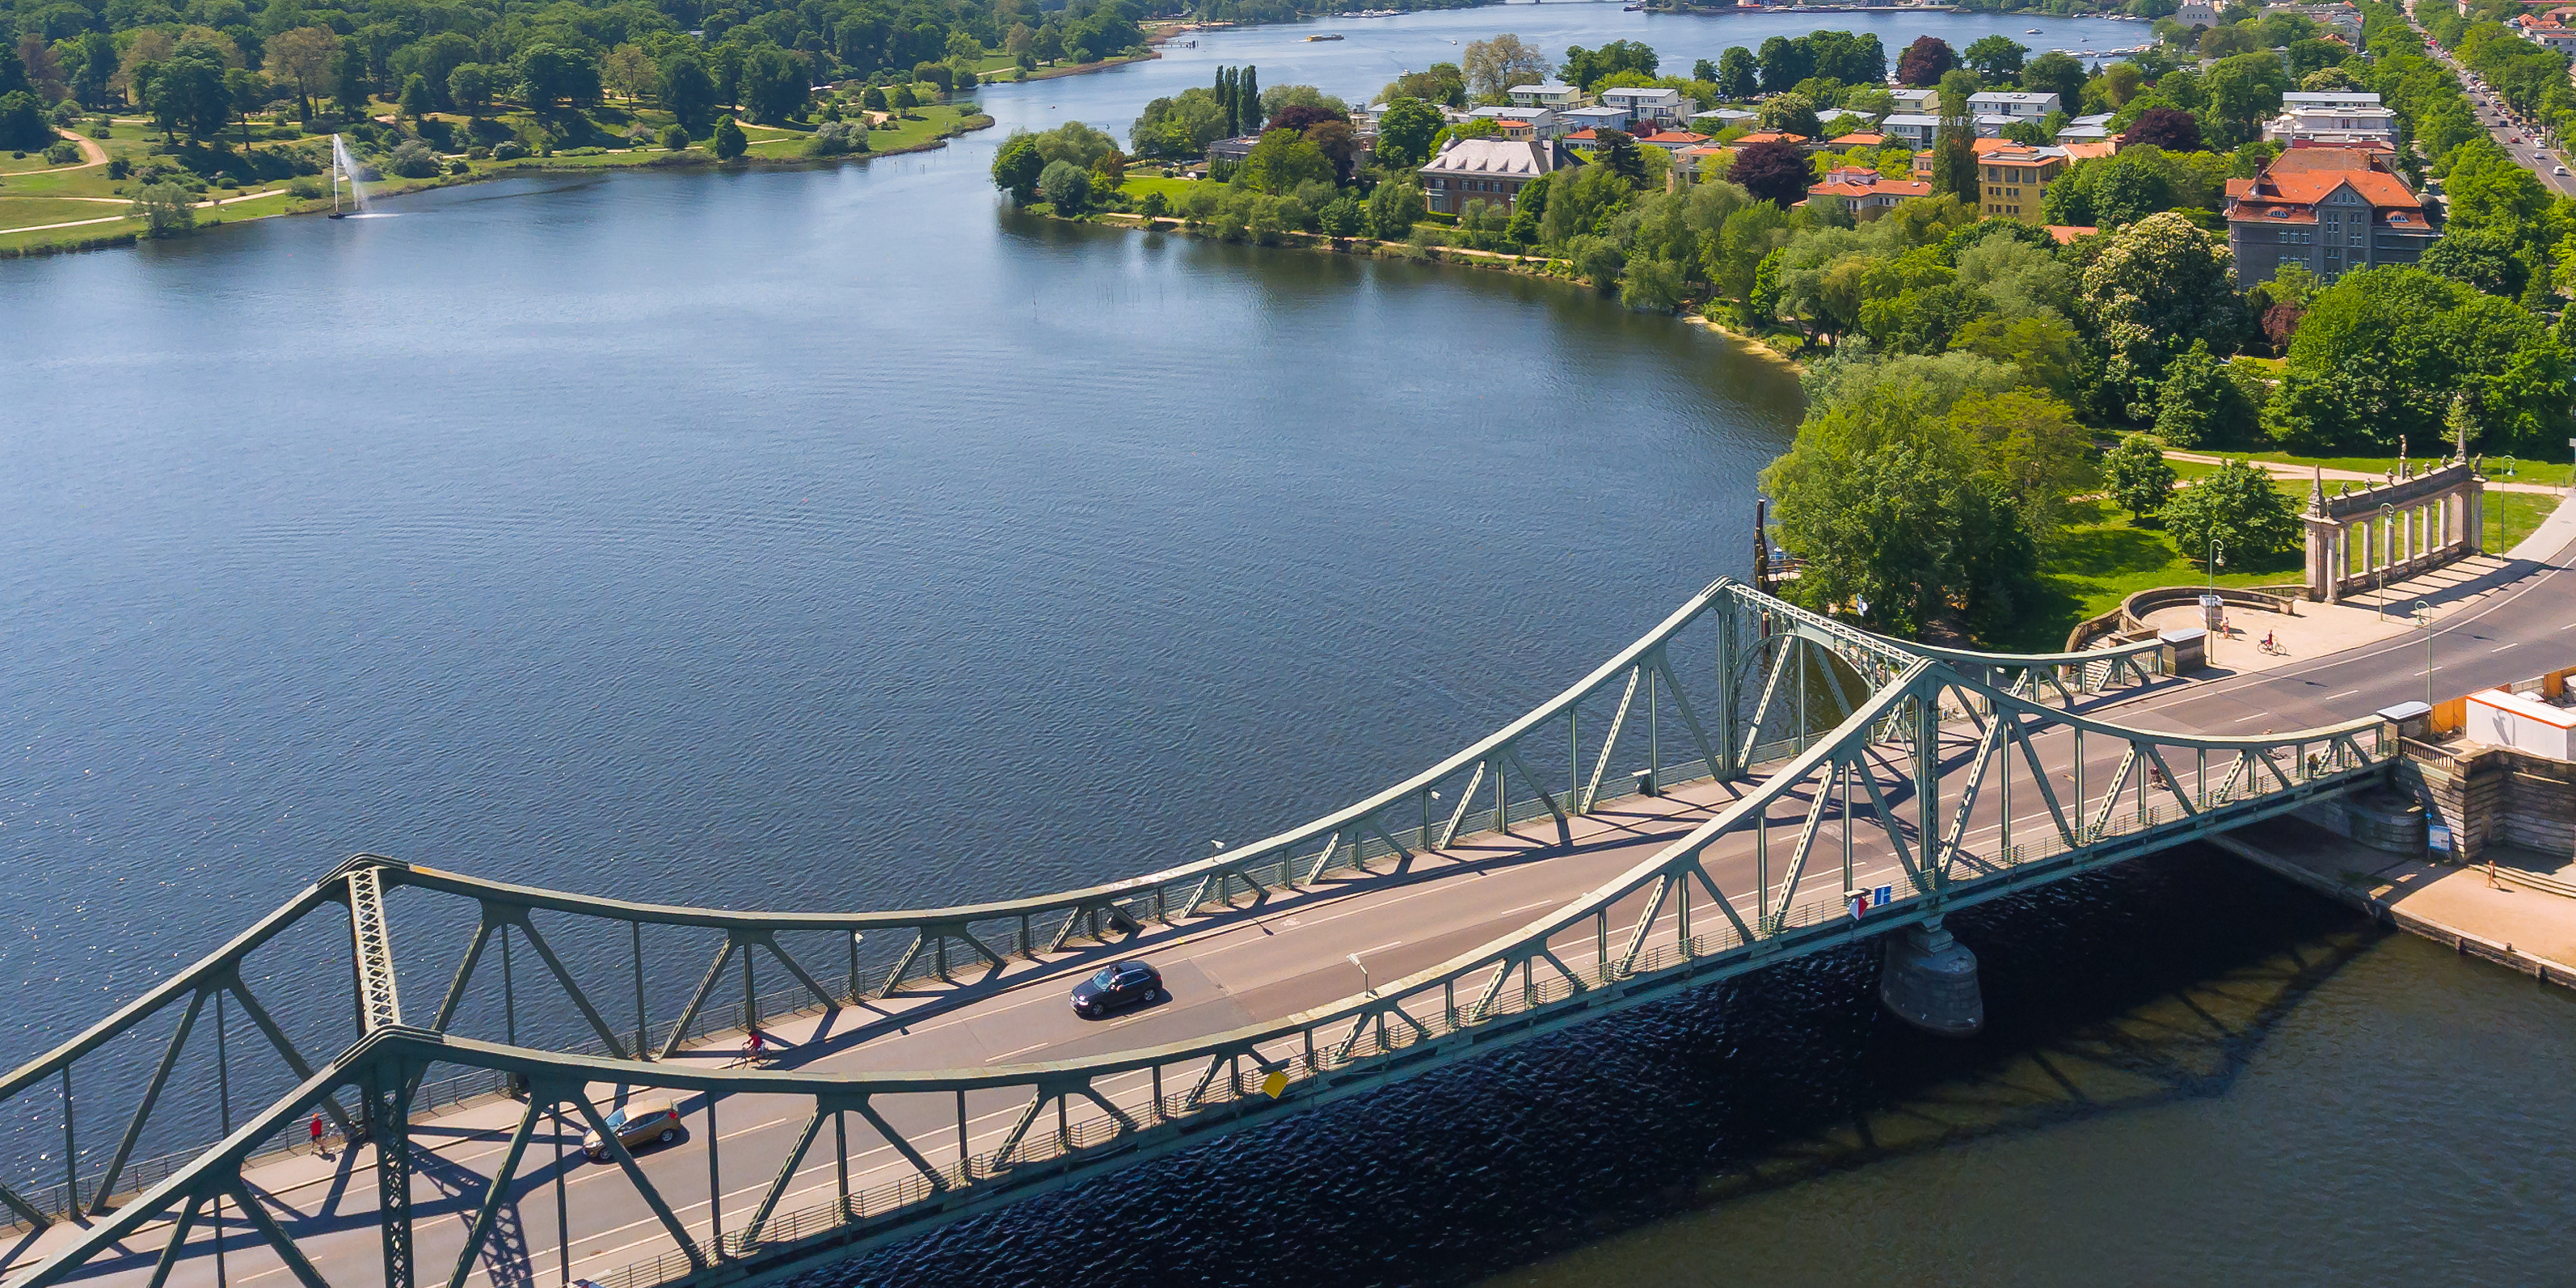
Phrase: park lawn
[2103,557]
[14,242]
[27,212]
[2511,516]
[1137,185]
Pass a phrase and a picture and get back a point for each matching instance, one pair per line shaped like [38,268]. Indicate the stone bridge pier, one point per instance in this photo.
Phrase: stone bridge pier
[1929,979]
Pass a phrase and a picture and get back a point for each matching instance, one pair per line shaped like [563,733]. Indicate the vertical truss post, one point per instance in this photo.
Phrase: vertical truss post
[715,1185]
[509,991]
[1724,611]
[1927,786]
[965,1160]
[388,1088]
[841,1153]
[635,941]
[71,1156]
[1654,733]
[563,1205]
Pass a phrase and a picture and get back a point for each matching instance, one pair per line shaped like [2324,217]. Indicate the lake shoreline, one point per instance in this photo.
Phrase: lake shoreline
[693,158]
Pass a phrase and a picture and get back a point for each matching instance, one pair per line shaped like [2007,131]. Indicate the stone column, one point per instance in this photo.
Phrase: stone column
[2475,535]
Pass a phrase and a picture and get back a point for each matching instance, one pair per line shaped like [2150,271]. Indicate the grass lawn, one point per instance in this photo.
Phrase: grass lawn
[2512,515]
[1138,185]
[2104,557]
[2553,473]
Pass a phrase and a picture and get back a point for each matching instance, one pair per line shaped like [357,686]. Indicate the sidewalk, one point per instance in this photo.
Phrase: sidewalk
[2284,469]
[2522,927]
[2374,615]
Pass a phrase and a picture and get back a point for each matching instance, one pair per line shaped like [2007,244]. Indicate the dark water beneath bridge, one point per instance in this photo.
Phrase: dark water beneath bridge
[833,539]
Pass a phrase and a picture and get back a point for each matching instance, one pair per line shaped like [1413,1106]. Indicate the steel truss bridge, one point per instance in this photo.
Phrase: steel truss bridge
[1708,801]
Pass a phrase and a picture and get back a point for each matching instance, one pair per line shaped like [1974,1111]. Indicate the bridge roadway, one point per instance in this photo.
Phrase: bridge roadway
[1286,955]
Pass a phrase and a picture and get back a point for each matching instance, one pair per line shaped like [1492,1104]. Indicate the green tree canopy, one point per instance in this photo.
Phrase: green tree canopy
[2233,510]
[2137,474]
[2380,354]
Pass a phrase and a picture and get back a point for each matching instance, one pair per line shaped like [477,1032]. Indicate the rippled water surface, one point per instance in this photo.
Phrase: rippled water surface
[836,537]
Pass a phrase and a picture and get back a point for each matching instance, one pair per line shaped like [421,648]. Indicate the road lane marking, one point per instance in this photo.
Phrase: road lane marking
[2345,694]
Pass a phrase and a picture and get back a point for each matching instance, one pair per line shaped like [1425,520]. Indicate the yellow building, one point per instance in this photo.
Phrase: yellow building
[2013,177]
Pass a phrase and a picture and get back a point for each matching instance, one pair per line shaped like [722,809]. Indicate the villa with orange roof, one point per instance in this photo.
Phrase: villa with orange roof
[1860,189]
[2330,209]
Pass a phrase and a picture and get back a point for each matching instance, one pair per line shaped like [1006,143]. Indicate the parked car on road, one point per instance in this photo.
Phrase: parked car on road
[1118,986]
[641,1121]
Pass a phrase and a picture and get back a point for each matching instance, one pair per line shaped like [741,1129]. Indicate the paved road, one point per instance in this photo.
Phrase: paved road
[2502,124]
[1229,971]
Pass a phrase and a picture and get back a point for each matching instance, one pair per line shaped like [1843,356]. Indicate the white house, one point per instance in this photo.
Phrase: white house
[1542,122]
[1578,119]
[1662,109]
[1723,119]
[1914,130]
[2329,98]
[2321,124]
[1550,95]
[2016,105]
[1921,102]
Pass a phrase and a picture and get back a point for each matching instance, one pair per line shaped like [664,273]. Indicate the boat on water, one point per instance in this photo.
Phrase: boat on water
[2030,31]
[1334,36]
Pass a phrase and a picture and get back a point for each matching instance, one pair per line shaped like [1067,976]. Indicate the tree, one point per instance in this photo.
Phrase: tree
[2380,353]
[305,56]
[1589,67]
[1785,62]
[628,72]
[1282,160]
[1738,76]
[23,127]
[1394,208]
[1774,172]
[2138,475]
[1180,126]
[164,209]
[415,102]
[1927,60]
[729,140]
[2171,129]
[1494,66]
[2244,91]
[1017,167]
[1617,152]
[2151,284]
[469,86]
[2199,404]
[2234,510]
[675,138]
[1996,58]
[2480,256]
[1792,113]
[187,93]
[1067,187]
[690,93]
[774,84]
[902,100]
[1404,133]
[551,74]
[2055,73]
[1247,101]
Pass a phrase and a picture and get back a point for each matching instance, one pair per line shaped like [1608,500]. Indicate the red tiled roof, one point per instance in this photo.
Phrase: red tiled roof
[1772,136]
[1859,139]
[2065,233]
[1674,138]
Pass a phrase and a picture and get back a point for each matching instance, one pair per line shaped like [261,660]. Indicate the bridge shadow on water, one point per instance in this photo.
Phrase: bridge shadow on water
[2152,982]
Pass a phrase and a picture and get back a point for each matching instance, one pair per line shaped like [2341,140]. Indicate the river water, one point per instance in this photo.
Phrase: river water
[837,537]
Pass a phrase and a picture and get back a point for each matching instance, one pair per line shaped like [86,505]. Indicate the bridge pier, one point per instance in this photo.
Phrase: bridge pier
[1929,979]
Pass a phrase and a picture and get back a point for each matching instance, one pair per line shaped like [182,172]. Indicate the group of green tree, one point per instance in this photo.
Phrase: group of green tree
[198,65]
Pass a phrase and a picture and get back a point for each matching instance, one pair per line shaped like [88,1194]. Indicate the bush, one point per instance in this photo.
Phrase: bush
[63,153]
[1156,205]
[413,159]
[305,188]
[509,150]
[729,141]
[459,167]
[119,168]
[836,138]
[674,139]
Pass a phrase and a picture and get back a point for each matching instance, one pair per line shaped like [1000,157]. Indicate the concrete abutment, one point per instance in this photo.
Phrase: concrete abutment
[1929,979]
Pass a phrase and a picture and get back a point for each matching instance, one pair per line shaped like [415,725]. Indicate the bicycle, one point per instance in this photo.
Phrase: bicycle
[2273,646]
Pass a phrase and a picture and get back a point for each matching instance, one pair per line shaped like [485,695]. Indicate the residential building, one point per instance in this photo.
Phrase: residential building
[2330,98]
[2318,123]
[2331,209]
[1232,150]
[1551,95]
[1921,102]
[1911,129]
[1982,147]
[2014,105]
[1672,140]
[1490,170]
[1722,119]
[1857,139]
[2083,151]
[1860,189]
[2011,179]
[1991,126]
[2086,129]
[1663,109]
[1774,136]
[1690,162]
[2200,13]
[1535,122]
[1594,118]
